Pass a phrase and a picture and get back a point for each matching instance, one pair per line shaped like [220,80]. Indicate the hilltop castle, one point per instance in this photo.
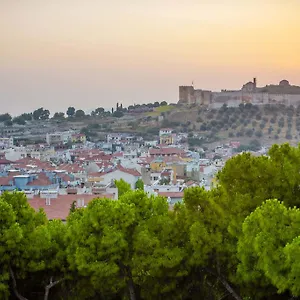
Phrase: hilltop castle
[283,93]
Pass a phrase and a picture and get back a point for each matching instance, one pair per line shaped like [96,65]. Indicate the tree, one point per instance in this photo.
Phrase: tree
[139,185]
[5,117]
[41,114]
[249,132]
[119,245]
[269,245]
[36,249]
[79,113]
[118,114]
[164,181]
[98,111]
[19,120]
[156,104]
[163,103]
[70,111]
[10,239]
[255,145]
[45,114]
[27,116]
[122,186]
[258,133]
[59,116]
[8,123]
[206,240]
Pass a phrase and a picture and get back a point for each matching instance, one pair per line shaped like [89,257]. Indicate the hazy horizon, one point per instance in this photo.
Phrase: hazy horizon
[96,53]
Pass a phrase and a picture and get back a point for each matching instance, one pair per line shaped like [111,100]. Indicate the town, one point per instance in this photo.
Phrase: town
[58,169]
[76,157]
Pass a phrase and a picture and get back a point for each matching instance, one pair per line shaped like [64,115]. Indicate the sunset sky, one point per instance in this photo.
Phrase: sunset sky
[92,53]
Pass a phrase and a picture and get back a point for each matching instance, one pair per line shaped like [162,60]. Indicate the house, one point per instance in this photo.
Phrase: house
[166,151]
[131,176]
[59,137]
[166,137]
[24,182]
[78,138]
[6,142]
[157,164]
[114,138]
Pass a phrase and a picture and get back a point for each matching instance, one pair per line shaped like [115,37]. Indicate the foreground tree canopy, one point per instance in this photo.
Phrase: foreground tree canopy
[240,240]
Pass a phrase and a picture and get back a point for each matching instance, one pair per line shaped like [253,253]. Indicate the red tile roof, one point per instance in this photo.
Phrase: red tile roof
[60,207]
[133,172]
[4,161]
[64,177]
[71,168]
[24,162]
[118,154]
[166,173]
[5,181]
[190,183]
[146,160]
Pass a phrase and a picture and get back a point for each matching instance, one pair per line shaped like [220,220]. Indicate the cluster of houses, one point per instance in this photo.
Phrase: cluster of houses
[56,179]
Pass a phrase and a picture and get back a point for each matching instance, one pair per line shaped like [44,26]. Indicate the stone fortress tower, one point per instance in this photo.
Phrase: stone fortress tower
[283,93]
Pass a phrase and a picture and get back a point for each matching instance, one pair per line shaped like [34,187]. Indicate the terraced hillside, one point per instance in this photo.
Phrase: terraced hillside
[269,122]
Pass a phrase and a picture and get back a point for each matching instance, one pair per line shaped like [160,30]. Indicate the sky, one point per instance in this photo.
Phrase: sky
[95,53]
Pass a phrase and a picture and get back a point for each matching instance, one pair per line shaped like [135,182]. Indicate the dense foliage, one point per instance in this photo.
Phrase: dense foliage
[240,240]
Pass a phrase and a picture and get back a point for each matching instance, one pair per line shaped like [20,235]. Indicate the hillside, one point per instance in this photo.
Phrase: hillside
[269,123]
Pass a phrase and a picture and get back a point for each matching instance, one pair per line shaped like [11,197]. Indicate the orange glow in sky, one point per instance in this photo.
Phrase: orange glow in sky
[95,53]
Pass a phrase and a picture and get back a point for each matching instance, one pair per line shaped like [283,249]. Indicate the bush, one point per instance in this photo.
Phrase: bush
[249,132]
[270,129]
[255,145]
[258,134]
[262,125]
[203,127]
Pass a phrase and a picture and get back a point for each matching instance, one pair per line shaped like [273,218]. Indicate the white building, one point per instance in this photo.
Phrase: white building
[59,137]
[6,143]
[114,138]
[165,131]
[131,176]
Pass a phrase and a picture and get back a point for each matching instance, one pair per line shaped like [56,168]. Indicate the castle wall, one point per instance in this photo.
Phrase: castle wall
[259,96]
[186,94]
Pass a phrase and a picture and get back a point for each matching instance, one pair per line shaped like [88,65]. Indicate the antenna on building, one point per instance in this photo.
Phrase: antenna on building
[193,83]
